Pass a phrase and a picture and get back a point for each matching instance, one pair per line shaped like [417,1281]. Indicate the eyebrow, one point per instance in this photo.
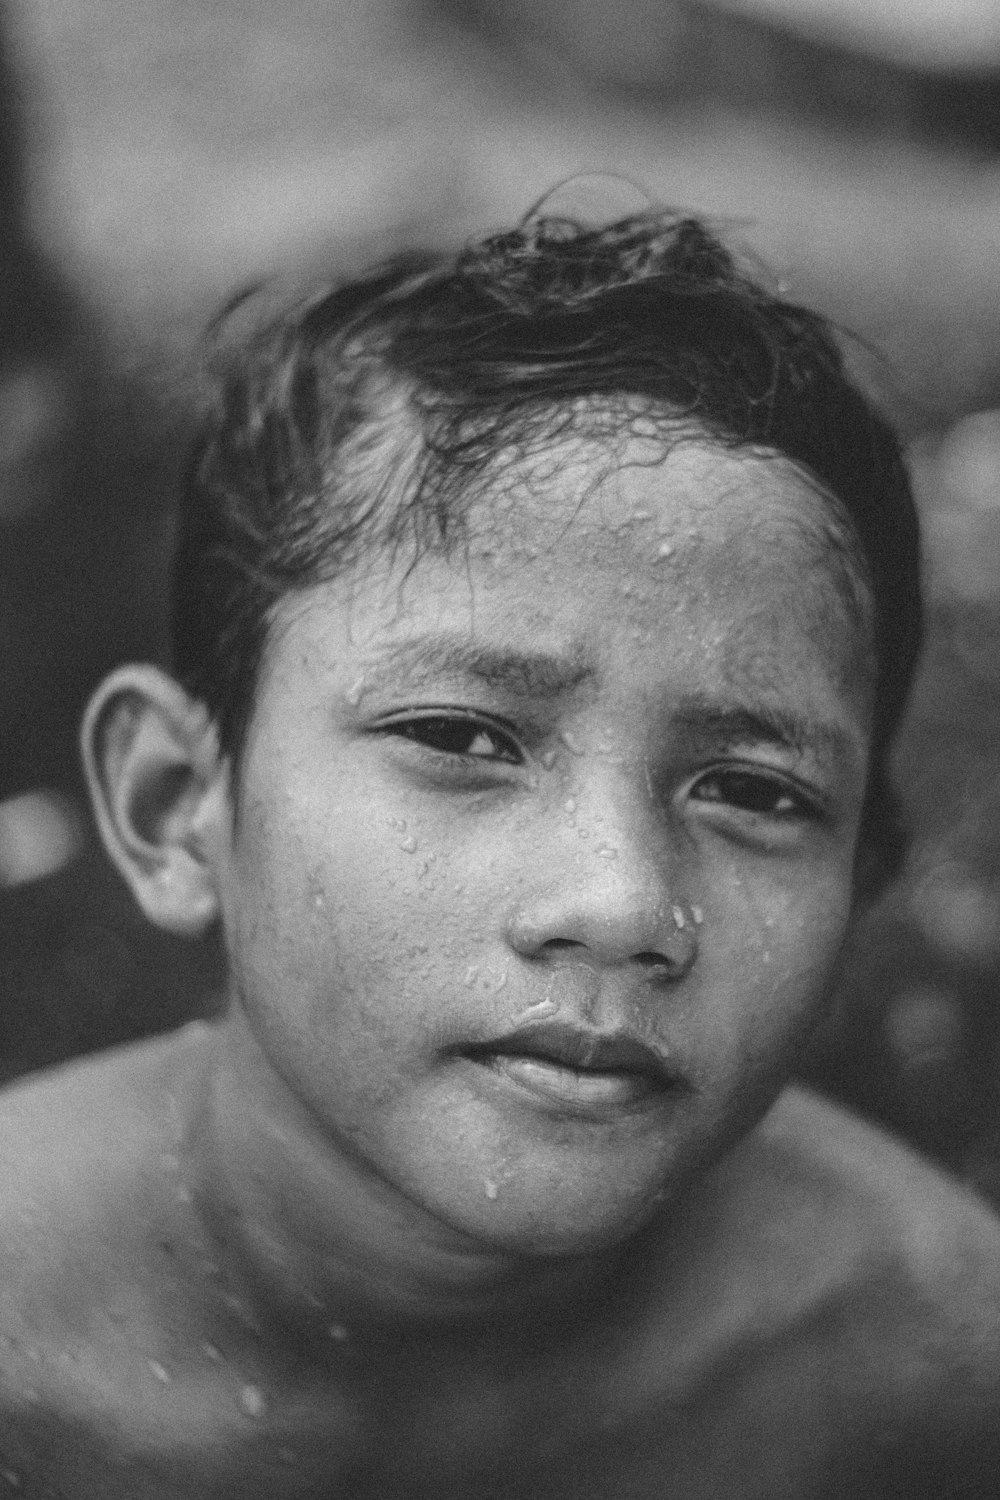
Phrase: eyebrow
[535,673]
[740,722]
[695,716]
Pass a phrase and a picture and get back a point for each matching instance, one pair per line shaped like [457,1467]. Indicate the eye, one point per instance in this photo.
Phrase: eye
[751,792]
[458,734]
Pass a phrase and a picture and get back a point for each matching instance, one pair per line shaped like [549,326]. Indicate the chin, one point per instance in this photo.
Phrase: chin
[560,1224]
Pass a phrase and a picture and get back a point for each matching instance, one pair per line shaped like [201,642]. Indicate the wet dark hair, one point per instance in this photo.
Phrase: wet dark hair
[361,418]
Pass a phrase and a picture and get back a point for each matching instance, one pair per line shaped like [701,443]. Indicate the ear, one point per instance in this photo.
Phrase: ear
[160,793]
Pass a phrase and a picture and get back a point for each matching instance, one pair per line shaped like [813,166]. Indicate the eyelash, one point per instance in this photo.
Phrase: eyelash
[443,726]
[747,787]
[746,790]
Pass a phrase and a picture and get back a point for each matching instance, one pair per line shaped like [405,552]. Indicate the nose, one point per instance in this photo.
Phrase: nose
[607,889]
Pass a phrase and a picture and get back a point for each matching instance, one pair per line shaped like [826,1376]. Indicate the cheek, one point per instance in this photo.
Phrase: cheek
[775,968]
[347,922]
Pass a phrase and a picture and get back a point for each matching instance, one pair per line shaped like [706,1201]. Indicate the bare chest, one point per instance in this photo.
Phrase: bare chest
[755,1434]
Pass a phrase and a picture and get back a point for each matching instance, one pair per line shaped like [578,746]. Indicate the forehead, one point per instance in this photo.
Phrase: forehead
[728,564]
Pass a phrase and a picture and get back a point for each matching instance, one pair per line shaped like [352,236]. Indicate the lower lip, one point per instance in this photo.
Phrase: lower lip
[582,1091]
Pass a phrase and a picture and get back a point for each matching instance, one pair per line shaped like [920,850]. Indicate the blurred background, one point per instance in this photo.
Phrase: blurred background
[156,155]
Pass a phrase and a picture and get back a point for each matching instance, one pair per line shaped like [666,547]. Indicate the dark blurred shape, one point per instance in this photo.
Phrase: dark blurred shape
[683,52]
[83,532]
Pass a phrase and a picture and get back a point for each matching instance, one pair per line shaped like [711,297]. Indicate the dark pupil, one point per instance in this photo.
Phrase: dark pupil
[751,792]
[455,736]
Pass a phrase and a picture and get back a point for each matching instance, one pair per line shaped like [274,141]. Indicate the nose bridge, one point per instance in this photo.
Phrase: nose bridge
[608,878]
[617,819]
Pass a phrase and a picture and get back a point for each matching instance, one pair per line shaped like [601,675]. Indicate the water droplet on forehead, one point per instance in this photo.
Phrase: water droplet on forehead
[159,1372]
[570,805]
[665,549]
[606,851]
[409,844]
[338,1333]
[354,692]
[490,1189]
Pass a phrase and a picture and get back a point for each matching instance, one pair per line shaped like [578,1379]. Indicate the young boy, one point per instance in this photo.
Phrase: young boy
[542,621]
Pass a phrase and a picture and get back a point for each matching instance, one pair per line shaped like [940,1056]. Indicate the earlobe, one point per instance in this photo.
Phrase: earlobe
[160,794]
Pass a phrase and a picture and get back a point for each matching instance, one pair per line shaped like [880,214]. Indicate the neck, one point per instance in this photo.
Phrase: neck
[317,1244]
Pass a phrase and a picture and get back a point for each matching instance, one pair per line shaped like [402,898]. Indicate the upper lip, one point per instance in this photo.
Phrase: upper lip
[577,1047]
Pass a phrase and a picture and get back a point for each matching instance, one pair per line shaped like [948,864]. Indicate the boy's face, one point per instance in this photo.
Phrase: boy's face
[545,851]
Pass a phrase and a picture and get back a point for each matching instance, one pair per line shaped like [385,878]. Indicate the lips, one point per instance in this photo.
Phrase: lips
[578,1069]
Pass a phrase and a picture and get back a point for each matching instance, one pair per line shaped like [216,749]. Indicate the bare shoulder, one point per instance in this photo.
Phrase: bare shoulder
[85,1153]
[73,1133]
[883,1211]
[905,1308]
[829,1320]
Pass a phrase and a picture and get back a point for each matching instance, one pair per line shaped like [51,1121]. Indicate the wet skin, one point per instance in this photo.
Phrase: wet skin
[538,869]
[602,770]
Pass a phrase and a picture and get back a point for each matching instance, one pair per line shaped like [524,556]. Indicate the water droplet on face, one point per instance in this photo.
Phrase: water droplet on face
[548,759]
[607,852]
[409,844]
[680,921]
[159,1372]
[212,1352]
[572,744]
[11,1479]
[570,805]
[251,1401]
[540,1010]
[697,915]
[471,975]
[665,549]
[338,1333]
[490,1189]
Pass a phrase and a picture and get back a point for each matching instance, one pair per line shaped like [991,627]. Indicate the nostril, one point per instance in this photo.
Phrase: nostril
[652,960]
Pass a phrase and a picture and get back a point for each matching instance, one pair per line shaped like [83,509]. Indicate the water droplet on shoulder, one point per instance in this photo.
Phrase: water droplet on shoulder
[252,1402]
